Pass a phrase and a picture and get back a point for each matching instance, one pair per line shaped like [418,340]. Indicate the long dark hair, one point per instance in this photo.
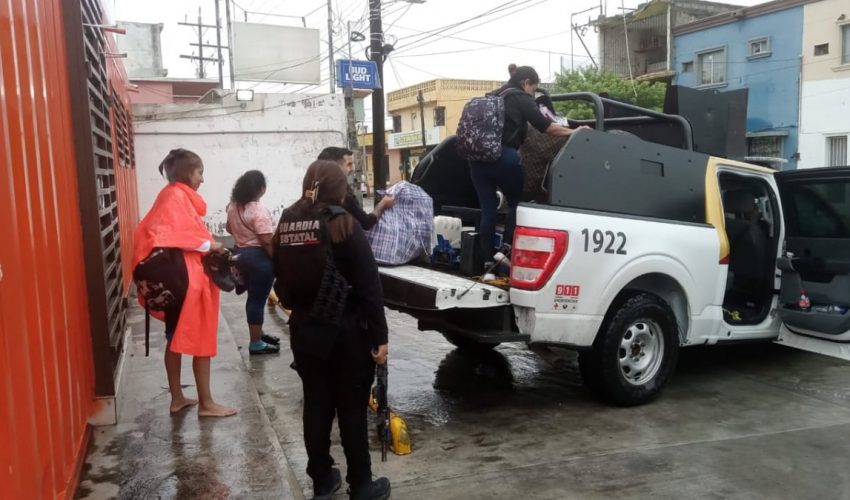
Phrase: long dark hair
[178,165]
[523,73]
[325,184]
[248,187]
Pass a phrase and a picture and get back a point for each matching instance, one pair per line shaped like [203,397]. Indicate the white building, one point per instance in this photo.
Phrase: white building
[279,134]
[825,93]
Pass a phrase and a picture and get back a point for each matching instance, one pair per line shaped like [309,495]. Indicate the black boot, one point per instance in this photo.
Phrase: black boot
[326,491]
[379,489]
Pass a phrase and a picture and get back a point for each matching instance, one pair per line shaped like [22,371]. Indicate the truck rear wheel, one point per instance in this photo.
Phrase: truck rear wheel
[468,344]
[636,352]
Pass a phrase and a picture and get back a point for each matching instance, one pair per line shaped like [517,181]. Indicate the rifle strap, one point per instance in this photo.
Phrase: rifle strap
[147,330]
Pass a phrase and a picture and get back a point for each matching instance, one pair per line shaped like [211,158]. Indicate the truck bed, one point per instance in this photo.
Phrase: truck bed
[417,287]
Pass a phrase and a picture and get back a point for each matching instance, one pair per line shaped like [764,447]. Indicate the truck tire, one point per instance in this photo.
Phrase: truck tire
[636,352]
[467,344]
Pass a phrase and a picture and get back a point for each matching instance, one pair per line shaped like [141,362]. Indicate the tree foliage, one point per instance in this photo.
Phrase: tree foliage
[649,95]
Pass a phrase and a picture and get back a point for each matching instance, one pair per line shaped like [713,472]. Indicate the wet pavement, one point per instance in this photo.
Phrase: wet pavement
[758,421]
[152,454]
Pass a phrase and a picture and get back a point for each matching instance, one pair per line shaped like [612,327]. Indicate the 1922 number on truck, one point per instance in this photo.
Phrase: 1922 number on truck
[604,241]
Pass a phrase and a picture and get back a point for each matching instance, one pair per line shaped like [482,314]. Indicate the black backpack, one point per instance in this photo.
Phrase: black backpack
[161,279]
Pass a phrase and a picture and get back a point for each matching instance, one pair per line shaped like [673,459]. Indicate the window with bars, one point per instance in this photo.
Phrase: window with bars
[103,106]
[766,146]
[845,44]
[123,133]
[396,123]
[711,67]
[836,151]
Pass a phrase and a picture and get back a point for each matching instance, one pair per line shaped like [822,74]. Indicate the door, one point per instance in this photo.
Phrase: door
[816,261]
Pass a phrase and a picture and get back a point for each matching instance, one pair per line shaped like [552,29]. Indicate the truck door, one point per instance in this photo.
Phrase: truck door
[816,261]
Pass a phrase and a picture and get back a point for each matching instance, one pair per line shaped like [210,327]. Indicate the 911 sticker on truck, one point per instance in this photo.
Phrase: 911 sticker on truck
[566,297]
[604,241]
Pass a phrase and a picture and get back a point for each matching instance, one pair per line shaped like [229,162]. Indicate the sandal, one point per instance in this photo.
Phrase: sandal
[267,349]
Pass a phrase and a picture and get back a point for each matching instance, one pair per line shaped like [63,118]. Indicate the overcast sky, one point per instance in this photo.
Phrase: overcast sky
[526,32]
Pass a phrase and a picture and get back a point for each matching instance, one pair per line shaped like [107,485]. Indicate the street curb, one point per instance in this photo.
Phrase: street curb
[288,475]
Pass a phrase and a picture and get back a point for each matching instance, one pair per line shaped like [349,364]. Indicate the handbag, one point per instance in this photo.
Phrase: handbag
[219,268]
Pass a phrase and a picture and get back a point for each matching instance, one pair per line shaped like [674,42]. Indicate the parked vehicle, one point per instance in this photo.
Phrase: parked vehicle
[645,246]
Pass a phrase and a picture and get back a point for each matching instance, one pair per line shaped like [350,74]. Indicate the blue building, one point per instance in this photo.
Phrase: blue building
[758,48]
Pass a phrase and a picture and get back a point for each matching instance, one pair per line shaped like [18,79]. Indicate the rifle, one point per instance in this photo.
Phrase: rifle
[383,412]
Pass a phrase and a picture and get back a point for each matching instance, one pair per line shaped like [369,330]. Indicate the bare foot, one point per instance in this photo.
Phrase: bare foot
[215,410]
[179,404]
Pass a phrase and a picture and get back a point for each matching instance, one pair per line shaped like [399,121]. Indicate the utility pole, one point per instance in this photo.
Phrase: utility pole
[201,72]
[218,43]
[200,26]
[348,92]
[376,51]
[229,44]
[421,100]
[332,82]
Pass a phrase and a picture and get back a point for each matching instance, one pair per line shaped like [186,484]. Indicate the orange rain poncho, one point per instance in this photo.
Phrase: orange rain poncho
[175,221]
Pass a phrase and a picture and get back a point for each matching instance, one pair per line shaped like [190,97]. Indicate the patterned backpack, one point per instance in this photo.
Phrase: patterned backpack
[479,131]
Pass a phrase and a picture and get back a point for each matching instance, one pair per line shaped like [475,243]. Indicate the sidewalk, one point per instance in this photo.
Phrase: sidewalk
[151,454]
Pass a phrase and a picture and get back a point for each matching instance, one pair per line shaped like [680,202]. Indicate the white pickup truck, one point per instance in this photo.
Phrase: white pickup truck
[642,247]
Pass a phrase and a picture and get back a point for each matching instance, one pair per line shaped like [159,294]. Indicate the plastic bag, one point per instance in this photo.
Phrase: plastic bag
[404,232]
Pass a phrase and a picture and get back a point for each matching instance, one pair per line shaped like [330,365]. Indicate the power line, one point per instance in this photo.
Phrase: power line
[488,45]
[420,70]
[517,7]
[406,9]
[441,29]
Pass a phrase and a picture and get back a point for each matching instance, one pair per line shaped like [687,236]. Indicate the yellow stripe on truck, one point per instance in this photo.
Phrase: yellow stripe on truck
[714,208]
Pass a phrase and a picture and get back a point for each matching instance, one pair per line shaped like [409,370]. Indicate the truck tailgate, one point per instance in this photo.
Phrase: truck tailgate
[421,288]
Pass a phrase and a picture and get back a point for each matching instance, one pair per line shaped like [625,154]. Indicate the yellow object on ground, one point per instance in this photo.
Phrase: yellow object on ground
[400,438]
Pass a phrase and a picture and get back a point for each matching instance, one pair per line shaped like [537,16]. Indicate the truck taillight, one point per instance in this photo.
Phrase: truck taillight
[535,255]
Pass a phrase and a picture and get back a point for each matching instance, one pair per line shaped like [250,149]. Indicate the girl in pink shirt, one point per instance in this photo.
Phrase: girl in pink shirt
[251,225]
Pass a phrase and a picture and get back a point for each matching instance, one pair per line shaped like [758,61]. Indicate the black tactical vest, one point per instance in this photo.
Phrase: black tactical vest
[306,278]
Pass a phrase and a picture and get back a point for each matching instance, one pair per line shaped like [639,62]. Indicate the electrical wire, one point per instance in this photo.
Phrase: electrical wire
[395,73]
[399,17]
[498,8]
[421,70]
[421,41]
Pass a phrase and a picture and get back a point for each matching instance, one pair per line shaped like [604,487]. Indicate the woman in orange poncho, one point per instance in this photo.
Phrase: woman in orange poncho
[175,221]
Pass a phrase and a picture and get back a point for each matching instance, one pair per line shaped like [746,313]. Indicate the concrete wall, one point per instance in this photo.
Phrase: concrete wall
[279,134]
[773,80]
[822,23]
[153,93]
[825,100]
[826,112]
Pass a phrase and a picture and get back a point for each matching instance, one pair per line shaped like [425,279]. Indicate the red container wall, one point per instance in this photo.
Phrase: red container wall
[46,371]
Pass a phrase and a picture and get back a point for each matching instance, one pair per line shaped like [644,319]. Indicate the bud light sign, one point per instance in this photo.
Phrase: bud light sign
[357,74]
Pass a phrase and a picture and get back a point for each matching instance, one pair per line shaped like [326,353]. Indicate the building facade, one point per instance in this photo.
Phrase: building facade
[434,107]
[757,48]
[825,99]
[639,46]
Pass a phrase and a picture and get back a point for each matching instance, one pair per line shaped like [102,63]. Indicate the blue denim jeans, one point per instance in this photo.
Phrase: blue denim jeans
[256,267]
[506,174]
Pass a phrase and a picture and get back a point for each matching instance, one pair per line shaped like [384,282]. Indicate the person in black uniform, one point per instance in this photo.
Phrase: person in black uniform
[507,173]
[327,276]
[345,159]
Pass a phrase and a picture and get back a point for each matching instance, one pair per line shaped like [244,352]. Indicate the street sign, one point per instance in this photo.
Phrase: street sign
[357,74]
